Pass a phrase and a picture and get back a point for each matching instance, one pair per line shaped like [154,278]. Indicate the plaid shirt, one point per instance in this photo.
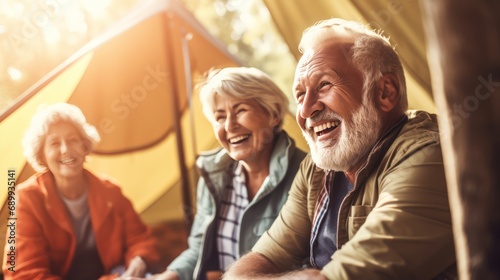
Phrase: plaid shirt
[233,205]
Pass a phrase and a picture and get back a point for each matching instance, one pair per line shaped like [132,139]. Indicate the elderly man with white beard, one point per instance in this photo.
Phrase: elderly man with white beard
[370,202]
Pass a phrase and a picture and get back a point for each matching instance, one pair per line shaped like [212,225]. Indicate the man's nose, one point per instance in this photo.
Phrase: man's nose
[310,105]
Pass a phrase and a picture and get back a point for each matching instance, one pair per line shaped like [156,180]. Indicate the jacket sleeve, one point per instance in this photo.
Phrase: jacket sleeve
[407,234]
[185,263]
[139,240]
[30,247]
[286,243]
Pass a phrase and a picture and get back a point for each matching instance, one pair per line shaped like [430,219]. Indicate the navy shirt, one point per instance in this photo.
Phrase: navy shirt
[324,244]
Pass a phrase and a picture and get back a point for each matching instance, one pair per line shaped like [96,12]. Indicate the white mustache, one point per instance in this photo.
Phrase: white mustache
[324,115]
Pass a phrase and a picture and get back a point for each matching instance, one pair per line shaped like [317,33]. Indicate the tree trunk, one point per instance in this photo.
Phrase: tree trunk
[464,58]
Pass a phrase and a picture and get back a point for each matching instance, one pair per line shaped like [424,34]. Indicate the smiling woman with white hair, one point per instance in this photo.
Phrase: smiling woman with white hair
[72,224]
[244,183]
[34,136]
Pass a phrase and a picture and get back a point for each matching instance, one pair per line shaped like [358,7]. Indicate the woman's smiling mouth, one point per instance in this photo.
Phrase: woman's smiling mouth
[238,139]
[67,161]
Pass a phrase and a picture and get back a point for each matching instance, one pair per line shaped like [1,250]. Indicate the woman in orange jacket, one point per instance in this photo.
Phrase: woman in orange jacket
[70,223]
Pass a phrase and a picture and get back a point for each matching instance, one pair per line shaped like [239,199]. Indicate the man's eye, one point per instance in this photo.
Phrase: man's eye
[324,84]
[299,96]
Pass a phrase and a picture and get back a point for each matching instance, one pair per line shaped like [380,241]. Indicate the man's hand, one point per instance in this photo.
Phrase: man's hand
[257,267]
[250,266]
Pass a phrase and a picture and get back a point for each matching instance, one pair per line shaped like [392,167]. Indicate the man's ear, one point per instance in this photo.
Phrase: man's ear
[387,96]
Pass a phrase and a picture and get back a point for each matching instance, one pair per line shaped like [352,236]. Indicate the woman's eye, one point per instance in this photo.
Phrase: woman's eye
[220,119]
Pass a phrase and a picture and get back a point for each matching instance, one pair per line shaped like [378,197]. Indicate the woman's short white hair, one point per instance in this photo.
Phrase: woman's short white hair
[371,52]
[46,116]
[243,83]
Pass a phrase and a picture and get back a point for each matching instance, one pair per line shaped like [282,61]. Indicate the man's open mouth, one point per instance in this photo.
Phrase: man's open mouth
[325,127]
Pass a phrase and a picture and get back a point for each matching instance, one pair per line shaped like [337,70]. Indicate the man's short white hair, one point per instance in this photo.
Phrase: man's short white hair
[371,52]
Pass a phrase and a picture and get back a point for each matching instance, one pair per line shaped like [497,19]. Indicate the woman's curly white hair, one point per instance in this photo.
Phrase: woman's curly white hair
[46,116]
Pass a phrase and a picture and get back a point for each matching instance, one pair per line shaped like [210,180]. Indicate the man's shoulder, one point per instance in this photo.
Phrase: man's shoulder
[311,172]
[421,132]
[308,163]
[419,121]
[421,127]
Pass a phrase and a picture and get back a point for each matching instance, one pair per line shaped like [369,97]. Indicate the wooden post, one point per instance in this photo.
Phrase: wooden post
[464,58]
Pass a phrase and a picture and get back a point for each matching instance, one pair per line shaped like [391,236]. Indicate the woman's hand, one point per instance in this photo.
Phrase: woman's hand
[166,275]
[136,267]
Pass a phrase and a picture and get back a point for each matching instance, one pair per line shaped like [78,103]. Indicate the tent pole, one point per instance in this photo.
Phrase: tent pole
[189,85]
[186,194]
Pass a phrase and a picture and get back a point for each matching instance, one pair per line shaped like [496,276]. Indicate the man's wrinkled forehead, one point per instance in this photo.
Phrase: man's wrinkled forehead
[332,49]
[341,44]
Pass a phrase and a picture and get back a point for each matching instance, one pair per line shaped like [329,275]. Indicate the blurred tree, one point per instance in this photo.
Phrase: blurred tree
[36,36]
[247,29]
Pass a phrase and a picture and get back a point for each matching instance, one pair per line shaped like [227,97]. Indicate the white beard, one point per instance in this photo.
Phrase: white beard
[358,136]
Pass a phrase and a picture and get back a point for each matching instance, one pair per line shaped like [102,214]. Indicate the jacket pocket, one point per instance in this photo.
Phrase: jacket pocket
[357,218]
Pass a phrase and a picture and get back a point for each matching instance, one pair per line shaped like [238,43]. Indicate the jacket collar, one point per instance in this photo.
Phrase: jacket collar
[54,203]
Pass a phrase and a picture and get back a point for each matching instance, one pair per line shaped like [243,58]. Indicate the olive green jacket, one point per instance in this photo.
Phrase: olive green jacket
[394,224]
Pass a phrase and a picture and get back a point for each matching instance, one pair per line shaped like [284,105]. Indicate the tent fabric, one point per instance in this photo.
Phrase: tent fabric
[131,83]
[399,19]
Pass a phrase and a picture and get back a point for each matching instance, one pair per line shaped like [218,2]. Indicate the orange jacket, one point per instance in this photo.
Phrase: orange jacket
[45,241]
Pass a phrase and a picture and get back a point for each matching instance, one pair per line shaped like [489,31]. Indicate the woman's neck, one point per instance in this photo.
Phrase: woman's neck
[71,188]
[257,170]
[255,176]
